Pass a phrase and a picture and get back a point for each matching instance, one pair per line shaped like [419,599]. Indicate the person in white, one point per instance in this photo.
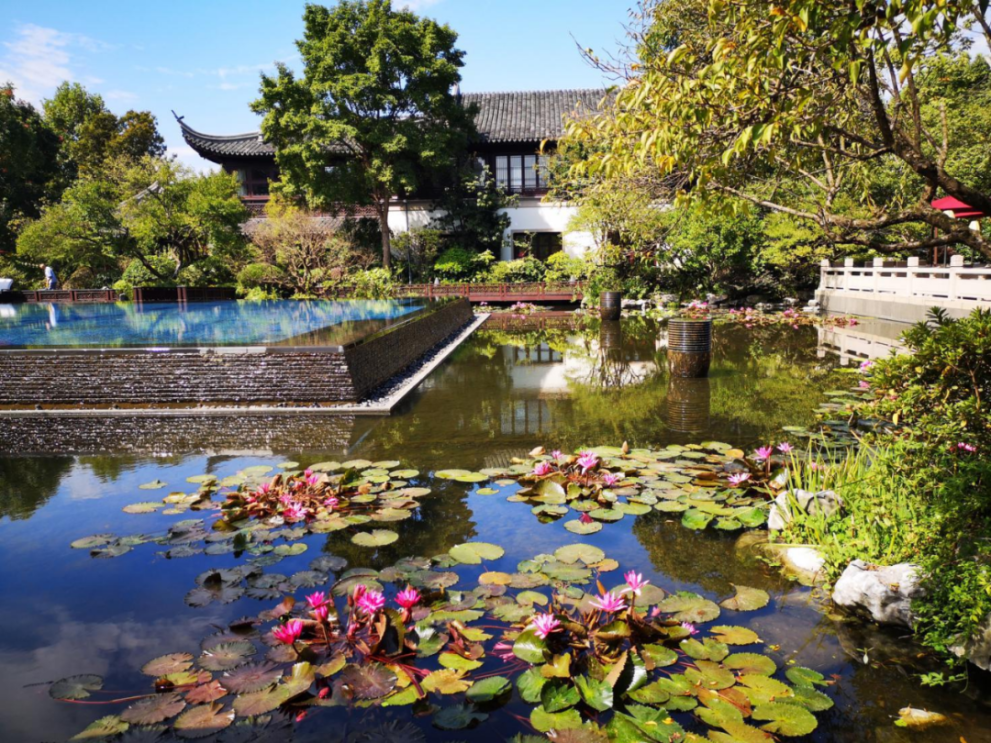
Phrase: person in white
[51,280]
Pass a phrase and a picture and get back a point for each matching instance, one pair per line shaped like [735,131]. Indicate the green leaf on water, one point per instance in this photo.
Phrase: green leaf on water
[559,694]
[572,553]
[785,719]
[750,663]
[530,647]
[801,676]
[153,485]
[577,527]
[458,717]
[746,599]
[596,694]
[103,729]
[689,607]
[375,538]
[146,507]
[545,721]
[203,720]
[529,684]
[75,687]
[472,553]
[487,689]
[735,635]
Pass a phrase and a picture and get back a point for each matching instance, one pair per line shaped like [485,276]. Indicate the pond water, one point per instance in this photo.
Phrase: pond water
[502,393]
[169,324]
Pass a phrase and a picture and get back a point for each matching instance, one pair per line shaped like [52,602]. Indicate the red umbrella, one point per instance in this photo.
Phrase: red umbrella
[959,209]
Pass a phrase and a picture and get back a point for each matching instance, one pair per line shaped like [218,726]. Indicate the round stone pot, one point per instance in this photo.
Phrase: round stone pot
[610,305]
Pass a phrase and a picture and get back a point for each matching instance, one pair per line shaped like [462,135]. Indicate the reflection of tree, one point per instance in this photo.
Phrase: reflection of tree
[705,559]
[26,483]
[442,521]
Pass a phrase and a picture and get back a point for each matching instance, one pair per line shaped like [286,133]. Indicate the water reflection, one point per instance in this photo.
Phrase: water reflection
[869,339]
[26,484]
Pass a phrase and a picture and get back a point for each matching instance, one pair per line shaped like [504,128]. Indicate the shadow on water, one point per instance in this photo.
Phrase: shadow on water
[502,393]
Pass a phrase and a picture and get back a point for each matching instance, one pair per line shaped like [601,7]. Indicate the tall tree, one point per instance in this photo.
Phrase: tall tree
[373,114]
[798,105]
[28,164]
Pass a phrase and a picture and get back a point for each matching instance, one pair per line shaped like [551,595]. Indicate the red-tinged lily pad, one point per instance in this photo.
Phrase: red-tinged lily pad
[75,687]
[251,677]
[154,709]
[165,664]
[205,693]
[203,720]
[102,729]
[369,681]
[259,702]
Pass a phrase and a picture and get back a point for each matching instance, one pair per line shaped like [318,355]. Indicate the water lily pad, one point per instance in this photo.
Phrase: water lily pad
[785,719]
[103,729]
[746,599]
[146,507]
[205,693]
[287,465]
[405,474]
[328,563]
[530,647]
[577,527]
[153,485]
[689,608]
[446,681]
[750,663]
[472,553]
[801,676]
[203,720]
[451,474]
[572,553]
[487,689]
[375,538]
[735,635]
[367,681]
[458,717]
[693,518]
[545,721]
[251,677]
[165,664]
[75,687]
[154,709]
[458,662]
[88,543]
[487,491]
[226,655]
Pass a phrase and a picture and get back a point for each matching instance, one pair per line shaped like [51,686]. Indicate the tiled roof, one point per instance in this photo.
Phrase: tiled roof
[520,116]
[531,115]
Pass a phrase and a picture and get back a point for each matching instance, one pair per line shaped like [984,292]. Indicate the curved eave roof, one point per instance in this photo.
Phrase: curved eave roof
[530,116]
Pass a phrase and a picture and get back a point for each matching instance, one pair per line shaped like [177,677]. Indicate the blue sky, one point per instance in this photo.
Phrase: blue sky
[203,58]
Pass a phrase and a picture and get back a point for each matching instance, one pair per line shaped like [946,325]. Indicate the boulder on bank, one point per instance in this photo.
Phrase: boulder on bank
[977,648]
[885,593]
[823,503]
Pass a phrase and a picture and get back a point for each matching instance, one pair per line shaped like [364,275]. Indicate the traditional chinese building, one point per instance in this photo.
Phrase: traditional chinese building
[511,127]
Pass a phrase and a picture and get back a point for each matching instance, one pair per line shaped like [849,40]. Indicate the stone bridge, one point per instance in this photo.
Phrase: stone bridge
[903,291]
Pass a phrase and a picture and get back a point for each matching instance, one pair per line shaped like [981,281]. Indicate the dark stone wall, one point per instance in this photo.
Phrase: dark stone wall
[219,375]
[93,433]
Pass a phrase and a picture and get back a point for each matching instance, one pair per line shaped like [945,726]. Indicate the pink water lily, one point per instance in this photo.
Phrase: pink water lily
[610,479]
[312,480]
[409,598]
[763,452]
[318,598]
[585,518]
[587,461]
[308,472]
[543,468]
[296,512]
[692,629]
[371,602]
[504,652]
[785,448]
[320,613]
[544,624]
[635,582]
[285,499]
[289,632]
[264,488]
[556,454]
[738,479]
[609,602]
[331,503]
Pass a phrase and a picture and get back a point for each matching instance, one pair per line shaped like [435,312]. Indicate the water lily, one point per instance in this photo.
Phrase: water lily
[610,479]
[543,468]
[504,652]
[312,480]
[289,632]
[318,598]
[264,488]
[609,602]
[635,582]
[285,499]
[409,598]
[544,624]
[585,518]
[556,454]
[785,448]
[692,629]
[296,512]
[587,461]
[864,384]
[371,602]
[320,613]
[738,479]
[969,448]
[308,472]
[763,452]
[331,503]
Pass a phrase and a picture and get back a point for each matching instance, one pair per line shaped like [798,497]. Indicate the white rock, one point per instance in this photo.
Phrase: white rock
[885,593]
[825,503]
[977,648]
[807,559]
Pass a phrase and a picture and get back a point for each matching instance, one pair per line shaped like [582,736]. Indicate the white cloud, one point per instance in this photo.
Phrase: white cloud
[120,95]
[418,6]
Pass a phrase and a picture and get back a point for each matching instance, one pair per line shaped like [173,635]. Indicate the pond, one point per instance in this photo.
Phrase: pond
[504,392]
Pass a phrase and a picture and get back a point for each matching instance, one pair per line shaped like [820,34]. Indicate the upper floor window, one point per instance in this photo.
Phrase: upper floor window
[521,173]
[254,181]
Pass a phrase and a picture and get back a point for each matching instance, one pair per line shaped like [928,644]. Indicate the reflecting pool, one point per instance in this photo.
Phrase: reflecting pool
[502,393]
[224,323]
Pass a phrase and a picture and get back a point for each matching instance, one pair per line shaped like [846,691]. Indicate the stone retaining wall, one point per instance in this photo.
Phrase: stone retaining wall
[223,375]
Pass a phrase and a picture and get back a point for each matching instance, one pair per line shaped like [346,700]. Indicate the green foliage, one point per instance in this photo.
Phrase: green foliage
[376,88]
[521,271]
[263,276]
[151,270]
[28,164]
[473,211]
[563,268]
[211,271]
[415,251]
[460,265]
[375,283]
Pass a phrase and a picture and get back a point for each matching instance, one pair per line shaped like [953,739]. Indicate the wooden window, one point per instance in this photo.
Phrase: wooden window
[521,173]
[502,171]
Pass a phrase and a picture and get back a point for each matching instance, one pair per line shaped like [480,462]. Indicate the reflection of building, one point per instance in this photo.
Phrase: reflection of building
[870,339]
[515,131]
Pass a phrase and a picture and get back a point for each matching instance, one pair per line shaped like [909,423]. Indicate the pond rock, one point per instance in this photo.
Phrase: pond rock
[977,647]
[885,593]
[823,503]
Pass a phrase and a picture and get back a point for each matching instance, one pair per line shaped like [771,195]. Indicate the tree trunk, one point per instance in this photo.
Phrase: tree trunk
[384,229]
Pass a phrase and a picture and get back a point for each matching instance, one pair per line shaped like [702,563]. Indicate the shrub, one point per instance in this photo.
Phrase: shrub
[375,283]
[527,270]
[137,275]
[415,252]
[460,264]
[562,268]
[211,271]
[260,276]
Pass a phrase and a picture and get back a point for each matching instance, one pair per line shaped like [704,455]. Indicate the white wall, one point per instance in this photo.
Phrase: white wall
[531,215]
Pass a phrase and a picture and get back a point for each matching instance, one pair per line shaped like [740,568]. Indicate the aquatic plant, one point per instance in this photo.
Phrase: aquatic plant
[626,663]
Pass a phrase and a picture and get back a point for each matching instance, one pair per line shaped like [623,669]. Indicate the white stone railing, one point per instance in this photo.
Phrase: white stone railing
[957,285]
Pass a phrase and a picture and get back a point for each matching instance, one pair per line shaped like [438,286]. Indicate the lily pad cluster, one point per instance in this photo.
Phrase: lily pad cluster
[708,484]
[625,664]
